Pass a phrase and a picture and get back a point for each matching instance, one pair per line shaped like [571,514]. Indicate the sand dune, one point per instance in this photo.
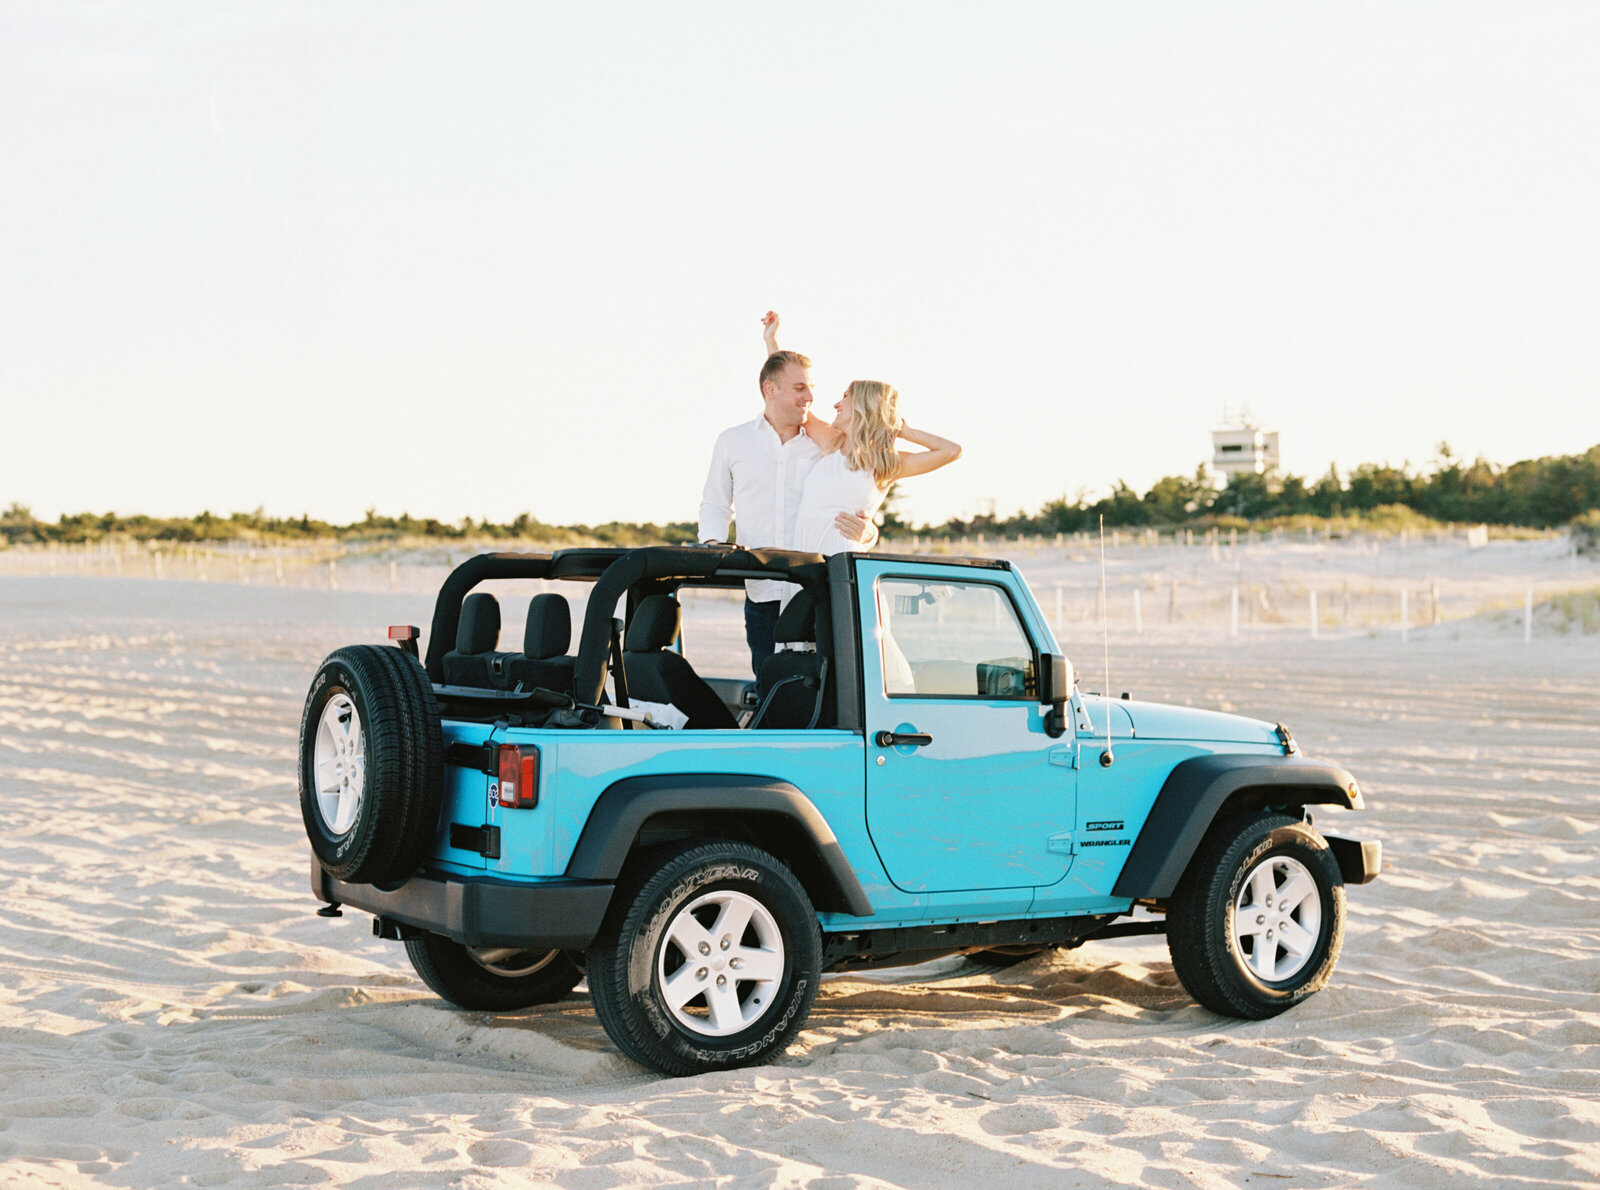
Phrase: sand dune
[172,1012]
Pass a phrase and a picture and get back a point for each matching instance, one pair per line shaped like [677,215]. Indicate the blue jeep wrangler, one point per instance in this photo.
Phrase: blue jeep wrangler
[914,772]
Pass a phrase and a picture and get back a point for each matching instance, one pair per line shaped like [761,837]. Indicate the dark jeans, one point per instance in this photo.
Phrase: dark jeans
[760,622]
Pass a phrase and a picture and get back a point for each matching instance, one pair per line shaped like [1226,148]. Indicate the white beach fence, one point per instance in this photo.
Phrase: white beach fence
[1231,583]
[1221,582]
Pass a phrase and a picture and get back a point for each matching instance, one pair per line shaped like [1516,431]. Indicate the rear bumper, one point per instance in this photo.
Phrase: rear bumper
[481,911]
[1359,862]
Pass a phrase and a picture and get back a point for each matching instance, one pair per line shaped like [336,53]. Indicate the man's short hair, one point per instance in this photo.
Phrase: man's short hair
[777,362]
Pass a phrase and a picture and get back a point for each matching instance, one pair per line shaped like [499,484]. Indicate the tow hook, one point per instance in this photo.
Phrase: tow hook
[330,910]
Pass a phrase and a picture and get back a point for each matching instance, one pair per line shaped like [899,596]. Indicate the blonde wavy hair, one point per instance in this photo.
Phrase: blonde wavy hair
[869,442]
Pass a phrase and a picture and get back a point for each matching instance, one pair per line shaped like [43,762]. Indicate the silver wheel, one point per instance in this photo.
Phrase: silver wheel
[1277,919]
[509,961]
[720,963]
[339,764]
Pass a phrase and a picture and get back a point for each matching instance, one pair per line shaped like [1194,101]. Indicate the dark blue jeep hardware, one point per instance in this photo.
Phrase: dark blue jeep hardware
[913,772]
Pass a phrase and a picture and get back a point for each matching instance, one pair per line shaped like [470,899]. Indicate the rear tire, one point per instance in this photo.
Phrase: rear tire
[709,959]
[1256,924]
[371,764]
[492,978]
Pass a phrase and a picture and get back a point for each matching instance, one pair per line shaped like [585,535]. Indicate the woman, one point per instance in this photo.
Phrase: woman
[860,459]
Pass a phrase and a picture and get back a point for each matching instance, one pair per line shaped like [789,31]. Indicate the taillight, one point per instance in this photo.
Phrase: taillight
[405,635]
[519,777]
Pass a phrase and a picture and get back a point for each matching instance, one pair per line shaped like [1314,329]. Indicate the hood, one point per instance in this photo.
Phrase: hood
[1158,721]
[1092,720]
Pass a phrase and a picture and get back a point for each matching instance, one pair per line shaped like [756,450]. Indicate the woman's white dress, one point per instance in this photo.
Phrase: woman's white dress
[833,487]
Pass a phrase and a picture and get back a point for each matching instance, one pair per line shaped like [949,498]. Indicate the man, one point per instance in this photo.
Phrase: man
[758,471]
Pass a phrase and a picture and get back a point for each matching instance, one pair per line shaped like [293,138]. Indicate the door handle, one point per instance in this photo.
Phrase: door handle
[891,739]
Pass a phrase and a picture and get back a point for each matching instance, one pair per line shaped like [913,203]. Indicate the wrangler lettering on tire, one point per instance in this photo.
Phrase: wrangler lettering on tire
[709,959]
[1257,923]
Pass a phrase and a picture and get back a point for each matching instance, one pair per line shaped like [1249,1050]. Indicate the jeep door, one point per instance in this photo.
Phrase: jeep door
[971,793]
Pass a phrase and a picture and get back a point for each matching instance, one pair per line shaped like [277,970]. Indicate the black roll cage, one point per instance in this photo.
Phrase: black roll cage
[638,573]
[615,572]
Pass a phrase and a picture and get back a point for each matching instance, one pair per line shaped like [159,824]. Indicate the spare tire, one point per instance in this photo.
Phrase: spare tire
[371,764]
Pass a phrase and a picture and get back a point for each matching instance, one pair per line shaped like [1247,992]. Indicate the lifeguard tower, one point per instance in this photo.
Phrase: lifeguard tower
[1239,446]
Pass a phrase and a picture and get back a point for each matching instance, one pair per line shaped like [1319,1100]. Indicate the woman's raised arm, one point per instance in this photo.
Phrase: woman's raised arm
[938,451]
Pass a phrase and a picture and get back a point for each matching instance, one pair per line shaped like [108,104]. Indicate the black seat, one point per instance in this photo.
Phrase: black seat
[543,663]
[792,687]
[655,674]
[474,662]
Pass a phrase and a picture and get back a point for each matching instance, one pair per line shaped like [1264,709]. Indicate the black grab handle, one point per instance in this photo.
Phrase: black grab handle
[889,739]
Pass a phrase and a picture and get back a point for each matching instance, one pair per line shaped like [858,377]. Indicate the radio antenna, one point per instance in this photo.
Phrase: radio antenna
[1106,757]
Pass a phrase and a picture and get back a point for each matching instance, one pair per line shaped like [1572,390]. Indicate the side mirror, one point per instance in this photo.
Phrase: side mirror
[1055,687]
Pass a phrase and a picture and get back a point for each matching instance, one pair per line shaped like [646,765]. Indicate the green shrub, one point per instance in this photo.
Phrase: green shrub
[1585,532]
[1395,517]
[1575,611]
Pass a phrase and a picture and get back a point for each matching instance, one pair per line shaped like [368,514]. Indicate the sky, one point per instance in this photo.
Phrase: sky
[480,260]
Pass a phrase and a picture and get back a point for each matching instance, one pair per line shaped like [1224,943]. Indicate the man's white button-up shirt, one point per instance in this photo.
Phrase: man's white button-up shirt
[756,478]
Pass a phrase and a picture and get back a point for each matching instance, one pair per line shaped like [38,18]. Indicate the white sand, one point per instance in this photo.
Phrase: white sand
[172,1013]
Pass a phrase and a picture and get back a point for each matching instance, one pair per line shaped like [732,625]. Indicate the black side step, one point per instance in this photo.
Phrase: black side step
[1128,929]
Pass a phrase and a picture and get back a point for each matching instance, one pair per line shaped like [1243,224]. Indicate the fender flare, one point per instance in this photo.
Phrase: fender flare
[1197,791]
[623,809]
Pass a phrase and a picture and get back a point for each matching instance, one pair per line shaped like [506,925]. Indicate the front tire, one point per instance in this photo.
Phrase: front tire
[710,959]
[492,978]
[1256,924]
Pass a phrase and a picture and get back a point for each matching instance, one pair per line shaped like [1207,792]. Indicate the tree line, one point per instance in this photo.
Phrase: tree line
[18,526]
[1533,493]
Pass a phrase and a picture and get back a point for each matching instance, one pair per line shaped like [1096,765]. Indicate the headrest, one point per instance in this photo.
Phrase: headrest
[798,620]
[479,630]
[549,629]
[654,625]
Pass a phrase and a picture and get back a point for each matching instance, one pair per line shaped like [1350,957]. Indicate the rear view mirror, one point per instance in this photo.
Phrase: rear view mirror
[1055,687]
[1055,678]
[911,605]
